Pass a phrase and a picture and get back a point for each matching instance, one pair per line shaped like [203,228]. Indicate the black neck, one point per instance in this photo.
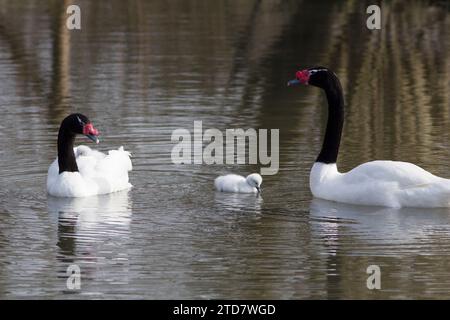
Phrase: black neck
[66,157]
[330,147]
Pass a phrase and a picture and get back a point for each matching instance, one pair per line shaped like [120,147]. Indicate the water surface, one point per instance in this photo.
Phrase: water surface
[140,69]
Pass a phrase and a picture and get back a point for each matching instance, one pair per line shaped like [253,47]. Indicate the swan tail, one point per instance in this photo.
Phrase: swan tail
[121,158]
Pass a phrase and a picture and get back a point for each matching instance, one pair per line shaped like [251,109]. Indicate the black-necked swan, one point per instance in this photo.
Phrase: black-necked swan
[239,184]
[375,183]
[81,171]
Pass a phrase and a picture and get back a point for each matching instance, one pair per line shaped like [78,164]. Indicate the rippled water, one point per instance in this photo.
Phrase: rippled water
[141,69]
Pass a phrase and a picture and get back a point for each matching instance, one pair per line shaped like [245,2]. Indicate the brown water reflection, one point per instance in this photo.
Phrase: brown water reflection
[141,69]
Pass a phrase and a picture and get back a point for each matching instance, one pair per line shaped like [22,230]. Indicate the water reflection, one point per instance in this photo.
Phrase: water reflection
[93,231]
[61,43]
[114,208]
[378,228]
[407,244]
[90,219]
[238,202]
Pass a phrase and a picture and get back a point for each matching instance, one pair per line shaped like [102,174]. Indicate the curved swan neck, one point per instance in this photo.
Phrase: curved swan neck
[335,123]
[66,156]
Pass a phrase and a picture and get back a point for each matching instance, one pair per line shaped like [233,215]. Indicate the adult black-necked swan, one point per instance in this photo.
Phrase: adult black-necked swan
[81,171]
[239,184]
[376,183]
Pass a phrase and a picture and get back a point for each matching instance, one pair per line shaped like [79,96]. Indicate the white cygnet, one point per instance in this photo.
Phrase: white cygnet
[236,183]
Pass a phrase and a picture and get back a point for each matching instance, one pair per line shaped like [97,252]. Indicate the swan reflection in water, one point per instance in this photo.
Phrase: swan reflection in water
[94,212]
[92,232]
[239,202]
[379,230]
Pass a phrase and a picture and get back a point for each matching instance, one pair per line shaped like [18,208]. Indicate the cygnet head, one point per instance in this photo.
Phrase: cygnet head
[254,180]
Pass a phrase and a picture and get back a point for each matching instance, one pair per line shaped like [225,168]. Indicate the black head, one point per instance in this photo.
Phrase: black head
[78,123]
[318,76]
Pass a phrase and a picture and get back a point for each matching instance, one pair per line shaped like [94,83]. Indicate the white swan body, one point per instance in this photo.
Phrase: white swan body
[380,183]
[239,184]
[98,174]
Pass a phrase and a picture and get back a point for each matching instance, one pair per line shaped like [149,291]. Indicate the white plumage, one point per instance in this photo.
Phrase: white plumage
[236,183]
[98,174]
[381,183]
